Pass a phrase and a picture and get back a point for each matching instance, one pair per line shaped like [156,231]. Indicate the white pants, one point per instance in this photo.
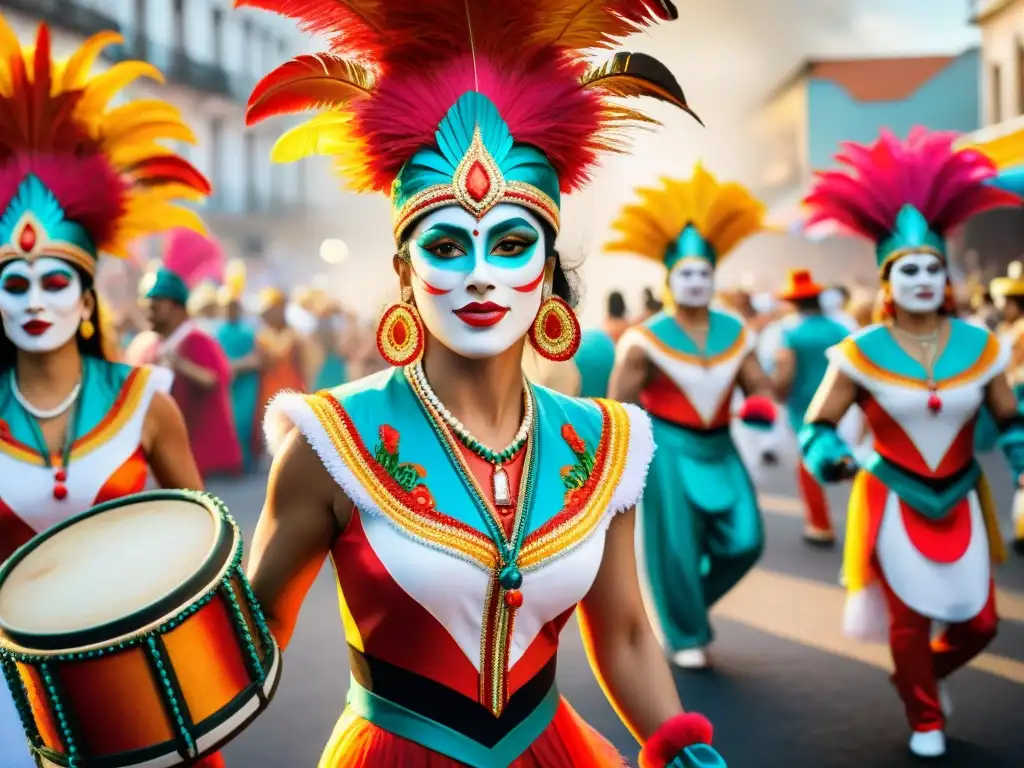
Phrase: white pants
[13,744]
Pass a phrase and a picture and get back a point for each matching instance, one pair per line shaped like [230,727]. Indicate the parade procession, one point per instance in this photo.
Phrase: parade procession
[488,384]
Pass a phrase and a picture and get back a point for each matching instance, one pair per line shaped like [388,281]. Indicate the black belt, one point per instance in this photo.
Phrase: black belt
[446,706]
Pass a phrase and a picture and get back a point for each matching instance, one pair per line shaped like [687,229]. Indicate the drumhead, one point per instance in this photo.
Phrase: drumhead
[105,567]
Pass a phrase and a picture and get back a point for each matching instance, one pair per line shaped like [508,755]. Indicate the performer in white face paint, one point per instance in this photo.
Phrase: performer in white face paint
[460,562]
[921,533]
[701,528]
[76,427]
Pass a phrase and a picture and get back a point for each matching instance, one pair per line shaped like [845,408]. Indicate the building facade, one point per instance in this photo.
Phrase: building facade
[211,56]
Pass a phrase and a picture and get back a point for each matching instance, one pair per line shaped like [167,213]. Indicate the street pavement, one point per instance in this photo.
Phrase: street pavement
[787,690]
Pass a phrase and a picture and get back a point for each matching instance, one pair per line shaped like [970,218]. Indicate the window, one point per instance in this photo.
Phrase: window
[251,164]
[218,36]
[216,152]
[996,94]
[179,24]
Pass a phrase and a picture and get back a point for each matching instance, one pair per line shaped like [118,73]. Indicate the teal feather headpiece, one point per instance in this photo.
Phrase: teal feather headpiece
[690,243]
[911,234]
[34,224]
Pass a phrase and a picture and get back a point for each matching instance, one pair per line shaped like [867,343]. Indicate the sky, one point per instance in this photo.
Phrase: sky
[728,55]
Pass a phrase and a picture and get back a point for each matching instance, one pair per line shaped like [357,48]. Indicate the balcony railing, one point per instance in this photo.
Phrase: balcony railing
[65,14]
[175,63]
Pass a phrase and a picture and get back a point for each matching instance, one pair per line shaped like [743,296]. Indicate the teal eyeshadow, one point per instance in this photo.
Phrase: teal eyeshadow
[446,231]
[523,229]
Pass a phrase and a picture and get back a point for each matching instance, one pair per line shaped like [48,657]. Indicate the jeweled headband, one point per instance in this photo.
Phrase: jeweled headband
[452,102]
[77,177]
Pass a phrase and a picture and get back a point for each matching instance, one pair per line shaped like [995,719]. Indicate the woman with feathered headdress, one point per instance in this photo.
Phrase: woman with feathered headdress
[682,366]
[77,179]
[460,563]
[922,532]
[202,386]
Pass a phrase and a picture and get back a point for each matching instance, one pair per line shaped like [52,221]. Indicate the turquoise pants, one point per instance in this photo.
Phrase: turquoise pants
[701,529]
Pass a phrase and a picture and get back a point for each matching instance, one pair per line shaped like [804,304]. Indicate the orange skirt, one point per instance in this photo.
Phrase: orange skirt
[567,742]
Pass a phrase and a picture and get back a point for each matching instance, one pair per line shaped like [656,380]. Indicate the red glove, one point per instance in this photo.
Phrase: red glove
[758,412]
[675,734]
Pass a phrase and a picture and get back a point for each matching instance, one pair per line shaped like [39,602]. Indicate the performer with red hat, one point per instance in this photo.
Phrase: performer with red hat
[800,364]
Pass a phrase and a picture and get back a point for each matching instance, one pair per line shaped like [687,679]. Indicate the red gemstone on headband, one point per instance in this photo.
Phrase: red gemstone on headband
[478,182]
[28,238]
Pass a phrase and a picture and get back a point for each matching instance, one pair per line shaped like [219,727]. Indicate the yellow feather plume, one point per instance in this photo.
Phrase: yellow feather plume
[128,137]
[1005,151]
[724,215]
[234,281]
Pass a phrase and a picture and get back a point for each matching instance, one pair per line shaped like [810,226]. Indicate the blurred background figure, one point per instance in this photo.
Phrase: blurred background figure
[202,373]
[617,320]
[282,353]
[204,307]
[236,334]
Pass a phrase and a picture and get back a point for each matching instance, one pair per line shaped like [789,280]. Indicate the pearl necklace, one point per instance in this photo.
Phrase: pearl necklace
[500,484]
[44,413]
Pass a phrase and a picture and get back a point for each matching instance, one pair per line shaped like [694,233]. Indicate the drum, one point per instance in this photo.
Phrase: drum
[129,635]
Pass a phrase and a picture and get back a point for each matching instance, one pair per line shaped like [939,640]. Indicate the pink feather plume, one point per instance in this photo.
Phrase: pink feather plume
[875,181]
[193,257]
[88,189]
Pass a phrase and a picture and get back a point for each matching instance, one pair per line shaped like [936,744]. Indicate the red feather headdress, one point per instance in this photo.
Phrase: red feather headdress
[397,70]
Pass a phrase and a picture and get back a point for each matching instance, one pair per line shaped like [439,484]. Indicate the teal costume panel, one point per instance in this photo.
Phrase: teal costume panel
[595,359]
[702,530]
[102,382]
[239,340]
[333,372]
[808,340]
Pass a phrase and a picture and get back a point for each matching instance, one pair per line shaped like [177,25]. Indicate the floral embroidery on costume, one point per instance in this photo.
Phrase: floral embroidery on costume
[406,475]
[576,476]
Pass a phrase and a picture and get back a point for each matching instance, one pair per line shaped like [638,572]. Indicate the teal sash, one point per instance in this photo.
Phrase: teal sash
[931,503]
[421,730]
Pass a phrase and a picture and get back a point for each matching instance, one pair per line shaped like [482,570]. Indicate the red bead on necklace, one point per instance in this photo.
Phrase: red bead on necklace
[60,491]
[934,403]
[513,598]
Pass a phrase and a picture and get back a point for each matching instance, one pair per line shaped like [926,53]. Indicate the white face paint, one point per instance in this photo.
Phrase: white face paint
[41,304]
[692,282]
[478,284]
[918,282]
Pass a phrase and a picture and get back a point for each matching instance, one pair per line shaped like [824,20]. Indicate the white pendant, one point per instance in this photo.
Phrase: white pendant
[501,488]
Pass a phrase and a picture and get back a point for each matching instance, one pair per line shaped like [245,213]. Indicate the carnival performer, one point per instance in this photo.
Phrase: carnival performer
[921,533]
[800,364]
[77,179]
[281,350]
[702,529]
[477,116]
[202,384]
[236,335]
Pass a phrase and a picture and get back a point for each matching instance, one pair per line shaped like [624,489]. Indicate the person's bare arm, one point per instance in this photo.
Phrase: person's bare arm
[630,375]
[752,378]
[194,372]
[304,512]
[165,441]
[836,394]
[1000,399]
[623,650]
[785,370]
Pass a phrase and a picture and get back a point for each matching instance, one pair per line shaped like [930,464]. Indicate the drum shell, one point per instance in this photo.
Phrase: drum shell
[158,699]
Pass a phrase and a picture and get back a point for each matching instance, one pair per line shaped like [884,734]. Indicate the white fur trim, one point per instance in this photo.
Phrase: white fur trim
[866,617]
[160,378]
[290,410]
[640,451]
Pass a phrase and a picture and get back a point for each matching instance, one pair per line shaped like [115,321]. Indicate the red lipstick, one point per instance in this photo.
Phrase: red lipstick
[36,327]
[481,315]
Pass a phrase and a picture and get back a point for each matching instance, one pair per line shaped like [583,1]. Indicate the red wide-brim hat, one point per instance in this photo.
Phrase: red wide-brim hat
[800,285]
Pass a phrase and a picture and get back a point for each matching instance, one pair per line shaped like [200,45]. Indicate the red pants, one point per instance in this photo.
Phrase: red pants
[920,663]
[815,501]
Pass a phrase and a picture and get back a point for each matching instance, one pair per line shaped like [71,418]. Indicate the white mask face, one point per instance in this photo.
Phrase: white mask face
[692,282]
[41,303]
[918,282]
[478,285]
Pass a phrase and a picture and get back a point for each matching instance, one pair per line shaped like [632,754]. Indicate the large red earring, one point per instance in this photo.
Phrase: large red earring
[888,305]
[400,332]
[555,332]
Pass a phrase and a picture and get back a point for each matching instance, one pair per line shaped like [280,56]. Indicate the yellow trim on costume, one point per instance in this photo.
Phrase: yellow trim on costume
[350,448]
[352,635]
[996,545]
[737,347]
[872,370]
[857,570]
[124,408]
[579,526]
